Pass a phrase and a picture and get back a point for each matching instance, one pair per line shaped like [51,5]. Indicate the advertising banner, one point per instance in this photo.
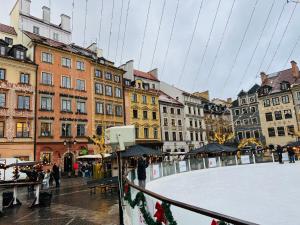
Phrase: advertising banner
[155,171]
[182,166]
[285,156]
[245,159]
[212,162]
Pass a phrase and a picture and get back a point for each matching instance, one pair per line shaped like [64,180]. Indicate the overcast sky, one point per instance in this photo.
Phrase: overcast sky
[228,75]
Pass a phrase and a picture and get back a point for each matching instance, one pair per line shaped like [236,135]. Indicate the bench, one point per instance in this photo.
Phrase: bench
[105,184]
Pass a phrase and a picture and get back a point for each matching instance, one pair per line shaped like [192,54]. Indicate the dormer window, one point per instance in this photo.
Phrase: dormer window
[265,90]
[2,50]
[36,30]
[243,101]
[146,86]
[284,86]
[20,54]
[9,40]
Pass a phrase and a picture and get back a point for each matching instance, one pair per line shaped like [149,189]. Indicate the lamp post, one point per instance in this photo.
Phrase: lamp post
[68,143]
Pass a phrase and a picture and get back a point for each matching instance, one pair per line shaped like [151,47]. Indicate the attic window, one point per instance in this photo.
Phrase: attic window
[9,40]
[20,54]
[284,86]
[266,90]
[2,50]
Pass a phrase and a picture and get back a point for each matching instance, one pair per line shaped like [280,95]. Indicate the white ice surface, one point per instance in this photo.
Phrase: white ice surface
[267,194]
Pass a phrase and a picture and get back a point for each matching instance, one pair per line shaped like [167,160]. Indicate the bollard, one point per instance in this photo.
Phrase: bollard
[220,164]
[15,195]
[162,169]
[236,160]
[204,163]
[190,169]
[273,157]
[253,158]
[37,194]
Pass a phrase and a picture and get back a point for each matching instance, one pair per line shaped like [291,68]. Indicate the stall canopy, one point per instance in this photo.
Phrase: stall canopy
[98,156]
[294,144]
[139,150]
[213,148]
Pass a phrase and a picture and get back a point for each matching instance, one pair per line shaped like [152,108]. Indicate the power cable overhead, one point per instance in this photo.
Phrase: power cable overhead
[190,43]
[158,32]
[283,35]
[292,52]
[100,24]
[118,36]
[125,29]
[206,45]
[240,47]
[110,29]
[85,18]
[144,34]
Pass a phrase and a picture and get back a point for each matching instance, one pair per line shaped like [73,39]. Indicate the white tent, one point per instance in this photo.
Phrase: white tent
[98,156]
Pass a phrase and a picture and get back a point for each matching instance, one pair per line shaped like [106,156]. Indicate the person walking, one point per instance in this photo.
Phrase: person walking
[141,170]
[279,152]
[75,167]
[55,170]
[291,154]
[46,179]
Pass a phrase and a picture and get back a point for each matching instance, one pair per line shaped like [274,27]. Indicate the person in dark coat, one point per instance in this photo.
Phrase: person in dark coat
[55,171]
[279,152]
[141,171]
[291,155]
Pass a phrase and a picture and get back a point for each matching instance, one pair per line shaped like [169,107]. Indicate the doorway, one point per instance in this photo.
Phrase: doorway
[68,162]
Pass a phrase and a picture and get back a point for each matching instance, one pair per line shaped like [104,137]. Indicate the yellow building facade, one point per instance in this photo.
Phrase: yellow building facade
[142,110]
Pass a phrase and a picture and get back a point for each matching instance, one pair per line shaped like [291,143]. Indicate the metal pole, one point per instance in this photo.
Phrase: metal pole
[120,188]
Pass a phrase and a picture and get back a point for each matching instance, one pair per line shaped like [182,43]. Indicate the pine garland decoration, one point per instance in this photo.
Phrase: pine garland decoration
[140,201]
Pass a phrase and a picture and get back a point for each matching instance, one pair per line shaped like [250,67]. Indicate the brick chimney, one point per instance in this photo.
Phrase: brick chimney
[295,69]
[46,14]
[263,77]
[65,22]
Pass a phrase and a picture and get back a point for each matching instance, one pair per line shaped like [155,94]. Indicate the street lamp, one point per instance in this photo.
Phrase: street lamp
[69,142]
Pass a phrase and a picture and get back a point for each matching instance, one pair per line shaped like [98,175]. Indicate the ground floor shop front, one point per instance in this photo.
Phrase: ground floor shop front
[23,151]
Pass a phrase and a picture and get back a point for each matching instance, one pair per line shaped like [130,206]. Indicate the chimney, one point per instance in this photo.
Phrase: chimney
[229,100]
[263,77]
[93,47]
[295,69]
[65,23]
[25,6]
[46,14]
[154,72]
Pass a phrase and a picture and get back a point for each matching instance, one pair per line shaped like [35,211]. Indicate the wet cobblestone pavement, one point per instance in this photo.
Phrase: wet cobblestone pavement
[71,205]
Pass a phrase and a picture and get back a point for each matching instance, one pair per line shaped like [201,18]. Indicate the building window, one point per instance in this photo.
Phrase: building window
[269,117]
[284,86]
[192,136]
[2,50]
[196,123]
[81,107]
[2,74]
[66,62]
[65,82]
[22,130]
[134,97]
[80,130]
[135,113]
[164,109]
[108,90]
[24,78]
[118,93]
[9,41]
[136,132]
[291,130]
[190,110]
[285,99]
[173,122]
[55,36]
[80,65]
[46,57]
[278,115]
[66,130]
[256,134]
[172,110]
[20,54]
[2,129]
[98,88]
[240,135]
[298,95]
[36,30]
[199,111]
[46,158]
[179,123]
[23,102]
[155,133]
[154,115]
[244,110]
[109,109]
[46,103]
[178,111]
[191,123]
[99,130]
[98,73]
[180,136]
[146,132]
[45,129]
[246,121]
[165,121]
[275,101]
[237,122]
[66,105]
[237,112]
[254,120]
[46,78]
[267,103]
[287,114]
[271,132]
[145,115]
[174,136]
[280,131]
[252,109]
[117,79]
[166,135]
[119,111]
[248,134]
[99,107]
[144,99]
[2,100]
[197,136]
[108,76]
[80,85]
[153,100]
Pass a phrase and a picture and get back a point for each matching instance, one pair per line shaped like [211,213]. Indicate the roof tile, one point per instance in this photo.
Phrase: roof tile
[7,29]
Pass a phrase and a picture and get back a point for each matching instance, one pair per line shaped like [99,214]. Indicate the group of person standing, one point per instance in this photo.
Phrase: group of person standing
[291,154]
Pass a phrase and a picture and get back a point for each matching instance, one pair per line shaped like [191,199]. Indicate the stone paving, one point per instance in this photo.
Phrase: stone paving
[72,204]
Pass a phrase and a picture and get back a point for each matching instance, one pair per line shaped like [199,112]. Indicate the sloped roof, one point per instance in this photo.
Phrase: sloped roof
[253,89]
[145,75]
[7,29]
[235,103]
[163,97]
[213,148]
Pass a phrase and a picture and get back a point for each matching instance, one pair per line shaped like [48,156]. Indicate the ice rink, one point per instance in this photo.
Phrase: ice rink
[267,194]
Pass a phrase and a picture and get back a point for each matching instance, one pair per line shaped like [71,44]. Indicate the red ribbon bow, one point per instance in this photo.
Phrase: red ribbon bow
[160,213]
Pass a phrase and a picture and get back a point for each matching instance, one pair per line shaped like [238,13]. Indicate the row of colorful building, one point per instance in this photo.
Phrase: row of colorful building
[55,96]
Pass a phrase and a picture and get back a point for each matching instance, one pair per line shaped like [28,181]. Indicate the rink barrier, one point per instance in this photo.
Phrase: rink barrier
[167,168]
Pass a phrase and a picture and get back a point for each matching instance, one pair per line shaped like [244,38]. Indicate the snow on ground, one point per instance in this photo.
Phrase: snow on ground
[267,194]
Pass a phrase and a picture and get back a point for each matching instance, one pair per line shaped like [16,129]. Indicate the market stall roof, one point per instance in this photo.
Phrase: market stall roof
[23,163]
[294,144]
[98,156]
[139,150]
[213,148]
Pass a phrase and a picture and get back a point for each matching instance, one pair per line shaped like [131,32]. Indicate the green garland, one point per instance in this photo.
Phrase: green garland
[140,201]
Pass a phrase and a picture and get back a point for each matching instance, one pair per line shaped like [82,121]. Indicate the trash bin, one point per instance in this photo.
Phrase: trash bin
[45,199]
[8,197]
